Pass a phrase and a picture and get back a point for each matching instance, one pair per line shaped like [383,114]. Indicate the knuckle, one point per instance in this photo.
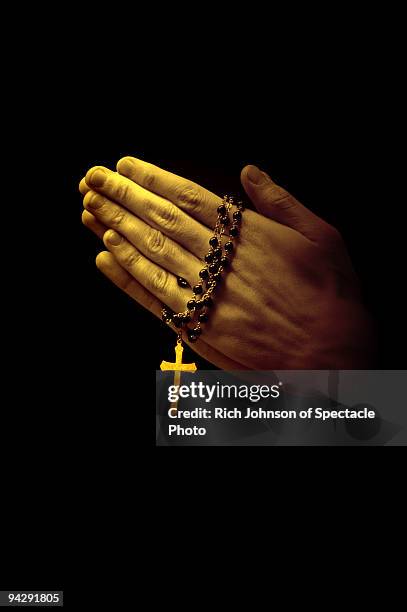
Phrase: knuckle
[147,206]
[130,258]
[117,217]
[159,281]
[280,198]
[122,191]
[156,242]
[169,217]
[189,196]
[148,179]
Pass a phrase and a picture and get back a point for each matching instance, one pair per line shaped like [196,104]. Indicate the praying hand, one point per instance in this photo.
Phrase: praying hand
[290,298]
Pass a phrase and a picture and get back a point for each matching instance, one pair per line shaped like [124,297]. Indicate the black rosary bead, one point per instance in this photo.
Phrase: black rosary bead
[191,336]
[182,282]
[208,301]
[216,261]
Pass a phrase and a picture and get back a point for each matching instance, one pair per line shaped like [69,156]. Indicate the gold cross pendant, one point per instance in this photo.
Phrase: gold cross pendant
[177,367]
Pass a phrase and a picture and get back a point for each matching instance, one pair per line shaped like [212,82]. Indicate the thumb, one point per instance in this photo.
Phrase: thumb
[275,202]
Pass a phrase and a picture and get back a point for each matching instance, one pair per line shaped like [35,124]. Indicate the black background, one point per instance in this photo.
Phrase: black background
[322,118]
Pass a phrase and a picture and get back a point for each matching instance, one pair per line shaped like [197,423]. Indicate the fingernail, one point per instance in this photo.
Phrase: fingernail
[256,176]
[96,178]
[113,238]
[93,200]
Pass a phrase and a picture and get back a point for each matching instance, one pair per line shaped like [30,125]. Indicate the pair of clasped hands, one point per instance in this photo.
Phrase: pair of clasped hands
[290,298]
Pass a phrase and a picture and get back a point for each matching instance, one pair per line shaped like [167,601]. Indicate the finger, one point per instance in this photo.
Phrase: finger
[158,281]
[93,224]
[153,209]
[108,265]
[83,187]
[187,195]
[274,202]
[151,242]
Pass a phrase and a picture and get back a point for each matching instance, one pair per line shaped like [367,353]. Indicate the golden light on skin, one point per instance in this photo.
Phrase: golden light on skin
[93,224]
[291,300]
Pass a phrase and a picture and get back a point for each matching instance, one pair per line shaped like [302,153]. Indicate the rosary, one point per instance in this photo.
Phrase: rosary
[198,307]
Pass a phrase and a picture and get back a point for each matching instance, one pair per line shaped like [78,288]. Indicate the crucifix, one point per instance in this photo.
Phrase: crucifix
[178,367]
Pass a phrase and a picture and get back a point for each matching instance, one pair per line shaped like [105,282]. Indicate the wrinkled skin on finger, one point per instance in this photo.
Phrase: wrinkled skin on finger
[290,299]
